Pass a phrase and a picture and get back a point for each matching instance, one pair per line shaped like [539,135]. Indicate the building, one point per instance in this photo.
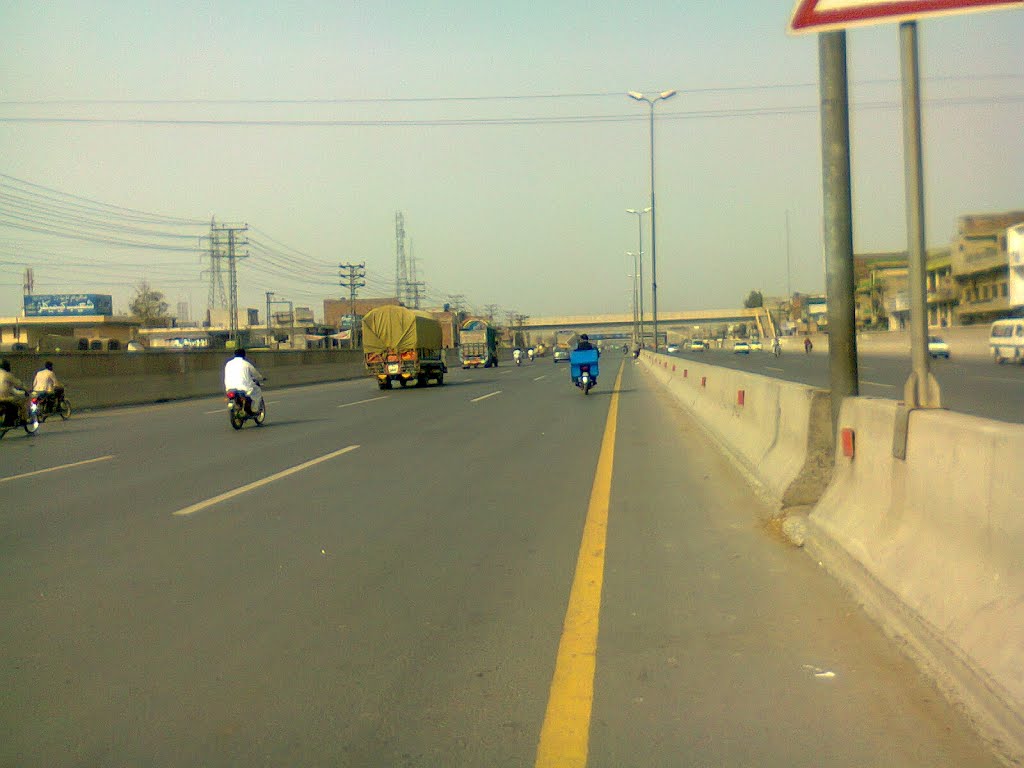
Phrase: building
[338,311]
[980,265]
[882,294]
[67,322]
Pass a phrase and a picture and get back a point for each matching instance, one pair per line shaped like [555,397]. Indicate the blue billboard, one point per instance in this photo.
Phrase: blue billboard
[68,305]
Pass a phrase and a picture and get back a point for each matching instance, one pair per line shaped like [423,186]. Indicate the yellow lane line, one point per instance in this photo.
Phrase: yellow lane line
[259,483]
[566,730]
[54,469]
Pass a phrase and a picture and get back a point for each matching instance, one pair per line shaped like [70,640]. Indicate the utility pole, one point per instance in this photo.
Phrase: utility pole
[234,242]
[838,218]
[354,280]
[270,334]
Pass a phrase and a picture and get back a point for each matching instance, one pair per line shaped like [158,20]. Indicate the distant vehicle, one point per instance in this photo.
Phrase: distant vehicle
[698,345]
[1007,340]
[937,347]
[672,348]
[565,342]
[402,345]
[478,344]
[755,345]
[741,348]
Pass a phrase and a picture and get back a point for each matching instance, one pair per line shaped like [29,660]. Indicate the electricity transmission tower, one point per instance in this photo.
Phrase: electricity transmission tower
[217,238]
[354,280]
[216,276]
[407,287]
[401,266]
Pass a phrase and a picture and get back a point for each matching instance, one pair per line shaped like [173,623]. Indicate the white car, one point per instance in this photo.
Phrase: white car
[672,348]
[755,345]
[937,347]
[741,348]
[698,345]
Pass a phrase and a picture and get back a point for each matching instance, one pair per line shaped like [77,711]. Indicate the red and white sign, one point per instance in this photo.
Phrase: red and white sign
[822,15]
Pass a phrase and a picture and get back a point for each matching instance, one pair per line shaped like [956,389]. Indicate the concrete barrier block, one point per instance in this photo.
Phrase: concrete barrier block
[942,532]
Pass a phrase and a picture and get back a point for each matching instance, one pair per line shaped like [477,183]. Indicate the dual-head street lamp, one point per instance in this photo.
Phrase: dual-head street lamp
[651,101]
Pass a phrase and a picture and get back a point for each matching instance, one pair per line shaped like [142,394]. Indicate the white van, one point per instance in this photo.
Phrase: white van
[1007,340]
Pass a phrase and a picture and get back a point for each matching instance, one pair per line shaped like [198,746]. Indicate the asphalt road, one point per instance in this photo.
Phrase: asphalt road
[968,385]
[383,579]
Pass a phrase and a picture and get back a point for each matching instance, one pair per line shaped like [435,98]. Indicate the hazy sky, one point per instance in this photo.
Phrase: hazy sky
[315,122]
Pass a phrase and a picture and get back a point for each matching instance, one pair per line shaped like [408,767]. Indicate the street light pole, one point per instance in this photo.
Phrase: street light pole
[654,240]
[636,315]
[640,233]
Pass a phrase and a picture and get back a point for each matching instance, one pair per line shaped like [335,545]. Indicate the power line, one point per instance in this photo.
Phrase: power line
[959,77]
[502,121]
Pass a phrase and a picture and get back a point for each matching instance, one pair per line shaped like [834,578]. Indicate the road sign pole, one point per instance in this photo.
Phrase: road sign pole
[838,218]
[921,389]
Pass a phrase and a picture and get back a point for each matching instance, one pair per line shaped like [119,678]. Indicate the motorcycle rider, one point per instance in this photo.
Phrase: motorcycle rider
[584,343]
[517,354]
[12,395]
[45,384]
[530,353]
[776,347]
[242,375]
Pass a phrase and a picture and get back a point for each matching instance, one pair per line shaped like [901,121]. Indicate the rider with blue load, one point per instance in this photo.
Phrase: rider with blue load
[584,343]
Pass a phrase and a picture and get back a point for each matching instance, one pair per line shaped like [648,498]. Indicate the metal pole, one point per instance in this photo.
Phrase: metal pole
[636,314]
[838,218]
[654,241]
[921,389]
[269,333]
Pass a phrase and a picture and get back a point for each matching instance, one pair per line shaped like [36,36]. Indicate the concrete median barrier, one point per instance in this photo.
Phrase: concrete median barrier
[932,546]
[779,431]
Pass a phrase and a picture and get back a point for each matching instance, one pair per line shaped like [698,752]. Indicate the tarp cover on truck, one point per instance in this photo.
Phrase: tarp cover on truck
[400,329]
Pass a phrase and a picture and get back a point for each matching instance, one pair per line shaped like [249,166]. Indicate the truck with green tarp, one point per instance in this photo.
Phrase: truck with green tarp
[402,345]
[478,344]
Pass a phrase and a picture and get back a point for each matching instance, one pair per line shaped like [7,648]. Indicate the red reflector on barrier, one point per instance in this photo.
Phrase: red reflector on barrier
[741,395]
[673,369]
[847,437]
[703,381]
[686,372]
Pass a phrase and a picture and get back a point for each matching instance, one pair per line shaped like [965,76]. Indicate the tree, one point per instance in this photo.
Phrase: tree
[755,299]
[148,305]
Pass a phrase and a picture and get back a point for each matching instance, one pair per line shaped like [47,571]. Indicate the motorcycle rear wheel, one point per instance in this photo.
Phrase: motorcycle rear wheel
[237,417]
[32,426]
[260,415]
[65,409]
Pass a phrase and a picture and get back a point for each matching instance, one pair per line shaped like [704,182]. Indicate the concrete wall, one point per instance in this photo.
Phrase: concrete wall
[780,433]
[934,546]
[100,379]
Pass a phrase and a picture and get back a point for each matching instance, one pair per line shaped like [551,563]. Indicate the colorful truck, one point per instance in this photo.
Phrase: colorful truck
[402,345]
[478,344]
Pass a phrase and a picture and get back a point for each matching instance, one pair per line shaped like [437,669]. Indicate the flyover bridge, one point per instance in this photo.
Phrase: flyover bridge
[680,323]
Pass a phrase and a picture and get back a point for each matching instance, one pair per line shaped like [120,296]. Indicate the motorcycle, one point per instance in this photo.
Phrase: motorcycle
[11,418]
[583,368]
[240,409]
[518,356]
[777,348]
[51,403]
